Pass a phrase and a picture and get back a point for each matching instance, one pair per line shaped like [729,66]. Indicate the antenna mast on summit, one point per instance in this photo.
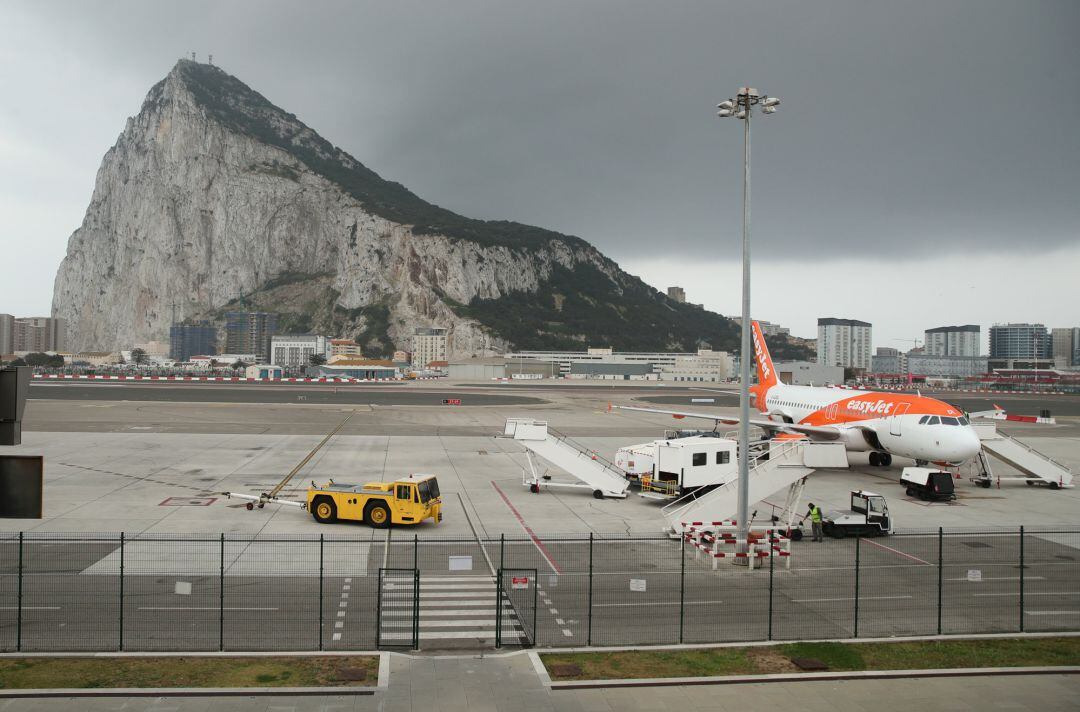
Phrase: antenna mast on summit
[209,59]
[192,56]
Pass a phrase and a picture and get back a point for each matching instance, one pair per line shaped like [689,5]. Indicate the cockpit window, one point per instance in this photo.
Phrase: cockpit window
[922,420]
[933,420]
[949,421]
[964,420]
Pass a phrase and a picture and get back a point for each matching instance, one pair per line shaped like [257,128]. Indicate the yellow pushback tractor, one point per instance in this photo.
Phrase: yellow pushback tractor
[408,500]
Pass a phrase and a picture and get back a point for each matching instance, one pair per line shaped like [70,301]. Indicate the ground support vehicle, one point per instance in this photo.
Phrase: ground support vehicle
[927,483]
[868,516]
[408,500]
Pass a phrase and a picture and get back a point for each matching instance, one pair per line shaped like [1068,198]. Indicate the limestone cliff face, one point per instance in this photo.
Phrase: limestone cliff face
[188,211]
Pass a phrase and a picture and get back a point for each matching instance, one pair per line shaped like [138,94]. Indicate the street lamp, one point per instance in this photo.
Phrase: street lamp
[742,107]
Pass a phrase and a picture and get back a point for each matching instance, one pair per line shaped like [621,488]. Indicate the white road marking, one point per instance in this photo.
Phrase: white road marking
[449,635]
[343,604]
[1052,613]
[567,633]
[341,614]
[35,608]
[442,603]
[848,598]
[337,636]
[346,587]
[478,623]
[339,624]
[560,621]
[998,578]
[344,595]
[201,608]
[1016,594]
[348,580]
[407,613]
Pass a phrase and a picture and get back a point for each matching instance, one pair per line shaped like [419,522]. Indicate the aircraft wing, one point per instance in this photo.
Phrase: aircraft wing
[998,413]
[814,432]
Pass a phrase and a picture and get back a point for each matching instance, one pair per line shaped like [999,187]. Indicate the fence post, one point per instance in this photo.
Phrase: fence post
[498,607]
[588,635]
[321,565]
[121,591]
[502,551]
[858,541]
[940,572]
[416,610]
[415,551]
[1021,578]
[221,597]
[772,564]
[682,586]
[18,626]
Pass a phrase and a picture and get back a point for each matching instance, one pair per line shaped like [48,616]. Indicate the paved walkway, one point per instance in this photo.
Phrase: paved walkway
[510,684]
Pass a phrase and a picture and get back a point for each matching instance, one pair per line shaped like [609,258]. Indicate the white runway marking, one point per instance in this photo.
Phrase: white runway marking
[848,598]
[202,608]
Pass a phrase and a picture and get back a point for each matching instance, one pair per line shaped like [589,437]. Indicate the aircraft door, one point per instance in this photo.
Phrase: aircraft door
[895,419]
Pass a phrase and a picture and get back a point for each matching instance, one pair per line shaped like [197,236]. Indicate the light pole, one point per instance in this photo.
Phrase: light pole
[742,107]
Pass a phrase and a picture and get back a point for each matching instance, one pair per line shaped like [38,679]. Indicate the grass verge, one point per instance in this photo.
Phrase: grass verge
[84,673]
[757,660]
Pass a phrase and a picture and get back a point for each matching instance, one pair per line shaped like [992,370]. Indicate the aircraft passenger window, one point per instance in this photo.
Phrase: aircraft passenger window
[949,421]
[933,420]
[700,458]
[922,420]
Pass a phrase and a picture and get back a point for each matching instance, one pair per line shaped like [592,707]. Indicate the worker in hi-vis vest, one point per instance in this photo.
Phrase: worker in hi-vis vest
[815,520]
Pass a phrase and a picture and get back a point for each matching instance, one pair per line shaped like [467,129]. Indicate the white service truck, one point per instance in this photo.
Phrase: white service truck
[868,516]
[928,483]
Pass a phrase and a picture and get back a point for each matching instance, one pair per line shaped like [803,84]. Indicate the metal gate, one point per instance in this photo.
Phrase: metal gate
[398,615]
[516,614]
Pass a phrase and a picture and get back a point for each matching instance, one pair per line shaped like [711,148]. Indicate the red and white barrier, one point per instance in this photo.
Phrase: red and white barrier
[762,545]
[213,379]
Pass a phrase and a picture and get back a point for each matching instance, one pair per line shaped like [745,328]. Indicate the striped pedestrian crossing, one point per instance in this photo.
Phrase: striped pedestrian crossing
[451,608]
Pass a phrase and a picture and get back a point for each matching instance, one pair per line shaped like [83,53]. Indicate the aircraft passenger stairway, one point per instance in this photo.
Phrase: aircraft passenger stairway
[589,467]
[1037,466]
[783,465]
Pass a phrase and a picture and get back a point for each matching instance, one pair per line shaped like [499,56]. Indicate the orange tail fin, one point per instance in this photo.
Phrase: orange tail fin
[766,373]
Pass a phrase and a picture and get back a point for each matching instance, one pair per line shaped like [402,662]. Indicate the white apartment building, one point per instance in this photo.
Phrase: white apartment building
[953,340]
[429,344]
[296,350]
[844,342]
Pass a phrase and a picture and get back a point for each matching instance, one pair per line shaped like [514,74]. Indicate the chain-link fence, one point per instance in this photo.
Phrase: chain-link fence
[392,589]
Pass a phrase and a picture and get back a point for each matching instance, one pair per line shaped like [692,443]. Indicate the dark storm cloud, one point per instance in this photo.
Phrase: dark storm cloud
[906,128]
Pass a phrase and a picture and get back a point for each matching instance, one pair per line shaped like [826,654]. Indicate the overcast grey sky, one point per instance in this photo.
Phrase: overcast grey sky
[922,169]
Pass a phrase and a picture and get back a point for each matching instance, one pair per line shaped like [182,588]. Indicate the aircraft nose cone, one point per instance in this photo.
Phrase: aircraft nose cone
[969,444]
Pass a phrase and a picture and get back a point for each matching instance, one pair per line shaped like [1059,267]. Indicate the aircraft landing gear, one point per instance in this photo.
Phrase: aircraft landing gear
[880,459]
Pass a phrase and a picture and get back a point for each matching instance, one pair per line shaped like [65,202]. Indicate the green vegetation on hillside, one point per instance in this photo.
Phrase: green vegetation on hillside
[243,109]
[584,307]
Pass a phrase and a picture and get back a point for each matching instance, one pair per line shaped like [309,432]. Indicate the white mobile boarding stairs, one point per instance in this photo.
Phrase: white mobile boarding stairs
[1038,468]
[599,476]
[782,466]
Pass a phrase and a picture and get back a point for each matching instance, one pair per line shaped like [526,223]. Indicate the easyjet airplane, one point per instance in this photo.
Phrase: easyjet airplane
[883,424]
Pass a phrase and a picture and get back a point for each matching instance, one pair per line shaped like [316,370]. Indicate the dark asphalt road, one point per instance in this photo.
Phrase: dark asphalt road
[674,598]
[222,393]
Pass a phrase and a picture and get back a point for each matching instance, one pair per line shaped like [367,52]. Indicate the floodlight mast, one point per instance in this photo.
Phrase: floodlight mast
[742,107]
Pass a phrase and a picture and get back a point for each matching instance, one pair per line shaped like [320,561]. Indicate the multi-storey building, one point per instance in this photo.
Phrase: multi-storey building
[187,340]
[344,347]
[1024,341]
[844,342]
[677,293]
[296,350]
[39,333]
[1065,346]
[954,340]
[927,364]
[249,333]
[7,333]
[429,344]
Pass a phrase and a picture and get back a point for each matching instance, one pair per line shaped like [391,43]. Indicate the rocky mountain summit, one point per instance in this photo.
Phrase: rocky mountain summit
[214,199]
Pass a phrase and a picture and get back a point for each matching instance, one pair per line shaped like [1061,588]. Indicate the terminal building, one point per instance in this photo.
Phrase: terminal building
[703,366]
[925,364]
